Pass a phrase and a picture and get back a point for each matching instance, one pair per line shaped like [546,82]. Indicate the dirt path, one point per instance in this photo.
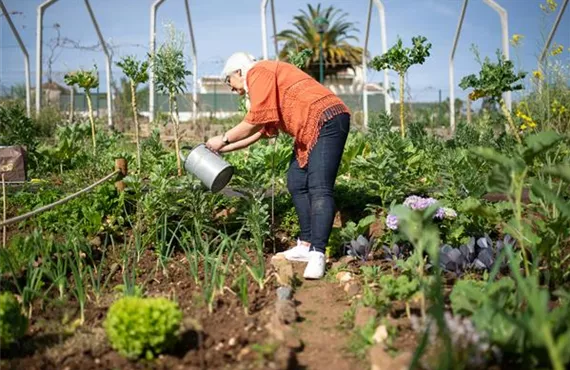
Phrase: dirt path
[321,306]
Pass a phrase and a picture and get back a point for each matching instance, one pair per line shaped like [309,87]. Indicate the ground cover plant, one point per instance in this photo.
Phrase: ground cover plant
[446,252]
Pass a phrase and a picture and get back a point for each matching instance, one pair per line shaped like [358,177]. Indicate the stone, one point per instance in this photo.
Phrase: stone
[232,342]
[347,259]
[96,241]
[344,277]
[284,271]
[286,311]
[363,315]
[352,288]
[381,334]
[284,293]
[380,360]
[283,333]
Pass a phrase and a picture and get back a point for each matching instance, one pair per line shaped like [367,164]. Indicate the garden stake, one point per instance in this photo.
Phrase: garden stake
[3,212]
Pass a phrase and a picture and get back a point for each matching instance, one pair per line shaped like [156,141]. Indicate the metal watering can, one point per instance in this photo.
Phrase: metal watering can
[209,167]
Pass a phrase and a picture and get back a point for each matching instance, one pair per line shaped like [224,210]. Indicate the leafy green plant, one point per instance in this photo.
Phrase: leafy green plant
[87,80]
[16,128]
[510,175]
[400,59]
[495,79]
[13,324]
[170,73]
[299,58]
[145,327]
[137,72]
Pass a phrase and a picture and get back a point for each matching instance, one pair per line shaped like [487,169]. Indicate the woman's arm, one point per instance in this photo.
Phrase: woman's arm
[243,143]
[241,131]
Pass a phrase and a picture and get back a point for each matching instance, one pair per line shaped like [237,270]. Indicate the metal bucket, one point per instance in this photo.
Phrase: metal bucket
[208,166]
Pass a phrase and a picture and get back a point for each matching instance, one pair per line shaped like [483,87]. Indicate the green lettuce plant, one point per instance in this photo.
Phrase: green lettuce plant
[13,324]
[146,327]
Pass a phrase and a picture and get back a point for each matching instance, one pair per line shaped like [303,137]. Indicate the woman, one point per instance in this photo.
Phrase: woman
[283,97]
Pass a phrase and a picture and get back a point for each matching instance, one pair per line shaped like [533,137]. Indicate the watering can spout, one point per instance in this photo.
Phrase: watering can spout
[208,166]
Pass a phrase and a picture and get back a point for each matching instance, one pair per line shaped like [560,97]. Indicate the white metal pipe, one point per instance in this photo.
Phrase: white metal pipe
[107,64]
[264,28]
[26,56]
[364,69]
[151,102]
[383,35]
[39,39]
[194,66]
[451,69]
[274,29]
[505,40]
[549,41]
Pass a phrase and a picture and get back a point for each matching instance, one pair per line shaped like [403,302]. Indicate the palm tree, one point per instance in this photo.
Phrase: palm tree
[338,53]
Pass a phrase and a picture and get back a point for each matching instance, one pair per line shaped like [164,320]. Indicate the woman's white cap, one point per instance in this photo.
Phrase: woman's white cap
[239,60]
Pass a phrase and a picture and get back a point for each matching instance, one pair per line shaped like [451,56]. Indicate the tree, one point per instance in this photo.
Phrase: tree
[400,59]
[170,73]
[87,80]
[137,72]
[338,53]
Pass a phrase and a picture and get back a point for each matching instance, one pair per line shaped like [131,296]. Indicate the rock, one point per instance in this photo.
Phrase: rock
[232,342]
[283,333]
[380,360]
[352,288]
[96,241]
[346,259]
[284,358]
[243,353]
[344,276]
[363,315]
[284,271]
[381,334]
[284,293]
[286,311]
[224,213]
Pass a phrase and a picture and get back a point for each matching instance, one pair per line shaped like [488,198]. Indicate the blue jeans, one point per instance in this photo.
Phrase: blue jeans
[312,187]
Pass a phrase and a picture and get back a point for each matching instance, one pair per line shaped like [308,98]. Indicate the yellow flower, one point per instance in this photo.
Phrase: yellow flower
[538,75]
[550,6]
[557,49]
[516,39]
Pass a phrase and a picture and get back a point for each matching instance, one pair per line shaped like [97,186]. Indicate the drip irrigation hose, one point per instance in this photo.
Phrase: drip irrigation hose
[61,201]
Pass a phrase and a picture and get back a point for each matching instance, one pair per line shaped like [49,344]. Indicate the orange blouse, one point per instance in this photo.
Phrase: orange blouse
[284,97]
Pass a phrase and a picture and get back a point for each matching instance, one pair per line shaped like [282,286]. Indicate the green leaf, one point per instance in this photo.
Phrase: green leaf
[539,143]
[545,193]
[560,171]
[499,181]
[493,156]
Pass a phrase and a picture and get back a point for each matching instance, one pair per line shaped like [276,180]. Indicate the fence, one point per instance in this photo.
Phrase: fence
[210,104]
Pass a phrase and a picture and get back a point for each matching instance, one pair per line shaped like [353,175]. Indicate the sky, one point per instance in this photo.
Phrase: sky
[222,27]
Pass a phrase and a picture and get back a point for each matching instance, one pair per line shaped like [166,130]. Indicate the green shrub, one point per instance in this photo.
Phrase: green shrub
[145,327]
[13,324]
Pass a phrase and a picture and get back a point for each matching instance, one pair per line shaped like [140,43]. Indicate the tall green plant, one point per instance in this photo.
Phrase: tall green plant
[137,72]
[87,80]
[400,59]
[495,79]
[170,73]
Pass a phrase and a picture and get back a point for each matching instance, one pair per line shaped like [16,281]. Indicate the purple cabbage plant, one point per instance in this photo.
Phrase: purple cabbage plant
[360,248]
[478,254]
[420,203]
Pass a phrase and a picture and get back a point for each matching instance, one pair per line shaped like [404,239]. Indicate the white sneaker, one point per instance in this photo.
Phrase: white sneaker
[298,253]
[316,267]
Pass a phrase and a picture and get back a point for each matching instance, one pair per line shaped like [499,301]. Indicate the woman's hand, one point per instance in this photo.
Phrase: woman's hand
[215,143]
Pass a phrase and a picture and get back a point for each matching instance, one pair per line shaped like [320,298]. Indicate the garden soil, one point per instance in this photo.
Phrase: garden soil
[226,339]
